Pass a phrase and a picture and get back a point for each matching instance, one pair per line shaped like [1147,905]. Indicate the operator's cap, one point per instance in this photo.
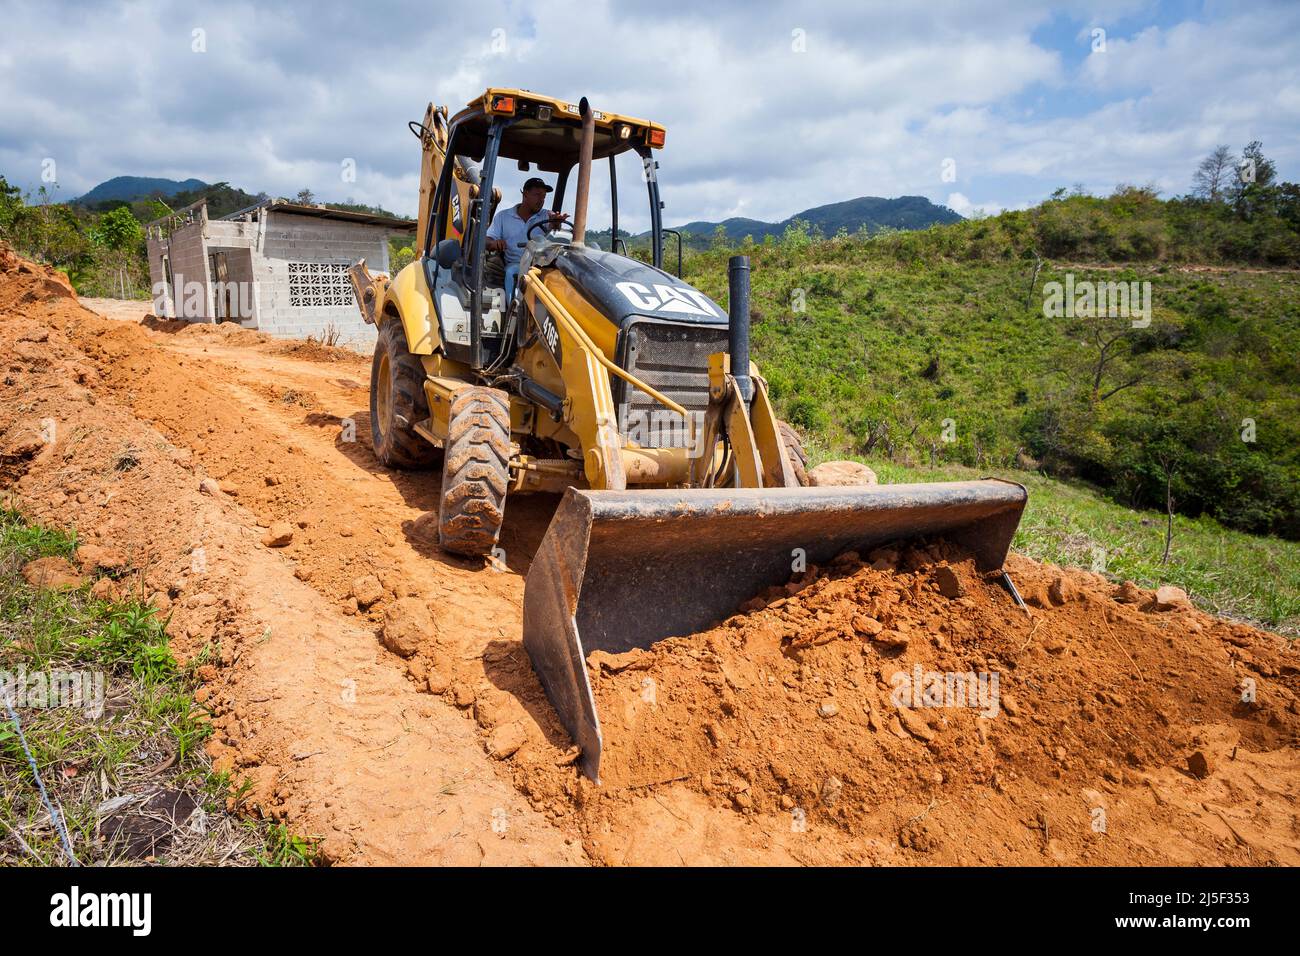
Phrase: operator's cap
[535,182]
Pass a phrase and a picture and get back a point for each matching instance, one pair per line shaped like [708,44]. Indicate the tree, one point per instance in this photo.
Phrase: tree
[403,257]
[46,231]
[11,203]
[1113,359]
[306,197]
[1112,343]
[1288,204]
[119,230]
[1253,183]
[121,233]
[1214,174]
[797,235]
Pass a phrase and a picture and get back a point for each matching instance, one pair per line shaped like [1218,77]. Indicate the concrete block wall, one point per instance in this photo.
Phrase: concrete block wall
[159,292]
[293,238]
[190,265]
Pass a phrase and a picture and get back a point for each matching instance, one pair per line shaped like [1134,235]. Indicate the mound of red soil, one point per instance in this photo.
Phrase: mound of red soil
[909,679]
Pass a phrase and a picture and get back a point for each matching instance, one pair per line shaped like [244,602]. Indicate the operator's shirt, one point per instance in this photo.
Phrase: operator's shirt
[508,225]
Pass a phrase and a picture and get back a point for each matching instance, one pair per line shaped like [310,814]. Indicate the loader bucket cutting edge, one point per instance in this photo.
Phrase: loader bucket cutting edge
[618,570]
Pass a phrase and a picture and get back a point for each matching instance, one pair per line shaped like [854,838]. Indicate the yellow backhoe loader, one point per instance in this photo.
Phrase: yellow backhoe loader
[613,381]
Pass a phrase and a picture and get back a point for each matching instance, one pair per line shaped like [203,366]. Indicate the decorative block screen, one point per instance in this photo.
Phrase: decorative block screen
[319,284]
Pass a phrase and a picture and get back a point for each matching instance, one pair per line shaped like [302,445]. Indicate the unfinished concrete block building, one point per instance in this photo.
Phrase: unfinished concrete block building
[278,267]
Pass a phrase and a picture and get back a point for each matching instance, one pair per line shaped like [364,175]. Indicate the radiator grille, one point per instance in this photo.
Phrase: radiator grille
[674,359]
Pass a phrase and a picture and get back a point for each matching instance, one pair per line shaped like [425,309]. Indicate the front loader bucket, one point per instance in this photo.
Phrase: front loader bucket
[623,569]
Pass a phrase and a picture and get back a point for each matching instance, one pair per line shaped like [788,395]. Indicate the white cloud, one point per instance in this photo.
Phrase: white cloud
[881,96]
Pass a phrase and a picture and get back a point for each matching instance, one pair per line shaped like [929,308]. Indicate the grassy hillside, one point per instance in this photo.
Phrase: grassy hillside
[932,348]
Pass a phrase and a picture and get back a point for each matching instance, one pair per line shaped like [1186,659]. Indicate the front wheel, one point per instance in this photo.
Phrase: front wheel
[397,403]
[475,472]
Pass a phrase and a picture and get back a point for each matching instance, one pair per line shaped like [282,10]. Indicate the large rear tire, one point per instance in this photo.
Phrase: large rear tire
[794,452]
[475,472]
[397,403]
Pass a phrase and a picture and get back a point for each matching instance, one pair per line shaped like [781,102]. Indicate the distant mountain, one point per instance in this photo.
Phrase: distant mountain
[128,188]
[872,212]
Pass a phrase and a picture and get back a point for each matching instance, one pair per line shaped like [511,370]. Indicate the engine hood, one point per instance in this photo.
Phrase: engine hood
[625,289]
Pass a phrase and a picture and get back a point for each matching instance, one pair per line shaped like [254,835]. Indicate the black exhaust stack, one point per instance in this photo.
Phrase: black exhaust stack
[738,320]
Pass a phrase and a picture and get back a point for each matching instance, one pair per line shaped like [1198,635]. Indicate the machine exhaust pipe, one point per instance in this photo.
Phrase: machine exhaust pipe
[738,320]
[584,172]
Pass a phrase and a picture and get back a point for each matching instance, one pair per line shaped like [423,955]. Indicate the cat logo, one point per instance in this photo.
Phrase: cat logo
[668,298]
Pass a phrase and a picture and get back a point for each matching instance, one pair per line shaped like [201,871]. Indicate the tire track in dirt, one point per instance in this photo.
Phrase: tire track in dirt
[365,521]
[315,721]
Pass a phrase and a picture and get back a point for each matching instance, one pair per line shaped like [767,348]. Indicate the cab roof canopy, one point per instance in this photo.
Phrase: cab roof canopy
[547,131]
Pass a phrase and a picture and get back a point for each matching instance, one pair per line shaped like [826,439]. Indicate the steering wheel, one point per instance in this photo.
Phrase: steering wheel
[546,223]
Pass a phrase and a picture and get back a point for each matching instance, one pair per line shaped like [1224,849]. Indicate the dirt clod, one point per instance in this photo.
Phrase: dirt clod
[1199,766]
[92,557]
[53,572]
[950,585]
[841,474]
[1061,590]
[406,625]
[506,740]
[868,626]
[367,590]
[1170,598]
[278,535]
[1130,593]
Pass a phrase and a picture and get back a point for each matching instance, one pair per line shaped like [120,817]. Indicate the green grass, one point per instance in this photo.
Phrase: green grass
[873,345]
[148,740]
[283,848]
[22,542]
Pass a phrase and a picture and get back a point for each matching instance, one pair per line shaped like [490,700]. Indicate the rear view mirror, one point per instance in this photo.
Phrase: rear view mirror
[447,253]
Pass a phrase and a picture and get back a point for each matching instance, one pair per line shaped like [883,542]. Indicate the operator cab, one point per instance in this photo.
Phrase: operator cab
[478,325]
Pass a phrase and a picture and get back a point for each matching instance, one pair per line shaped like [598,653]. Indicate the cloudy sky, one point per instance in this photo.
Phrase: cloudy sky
[770,108]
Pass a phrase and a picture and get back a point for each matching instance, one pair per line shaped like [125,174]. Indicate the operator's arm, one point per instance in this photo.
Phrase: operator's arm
[495,235]
[552,219]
